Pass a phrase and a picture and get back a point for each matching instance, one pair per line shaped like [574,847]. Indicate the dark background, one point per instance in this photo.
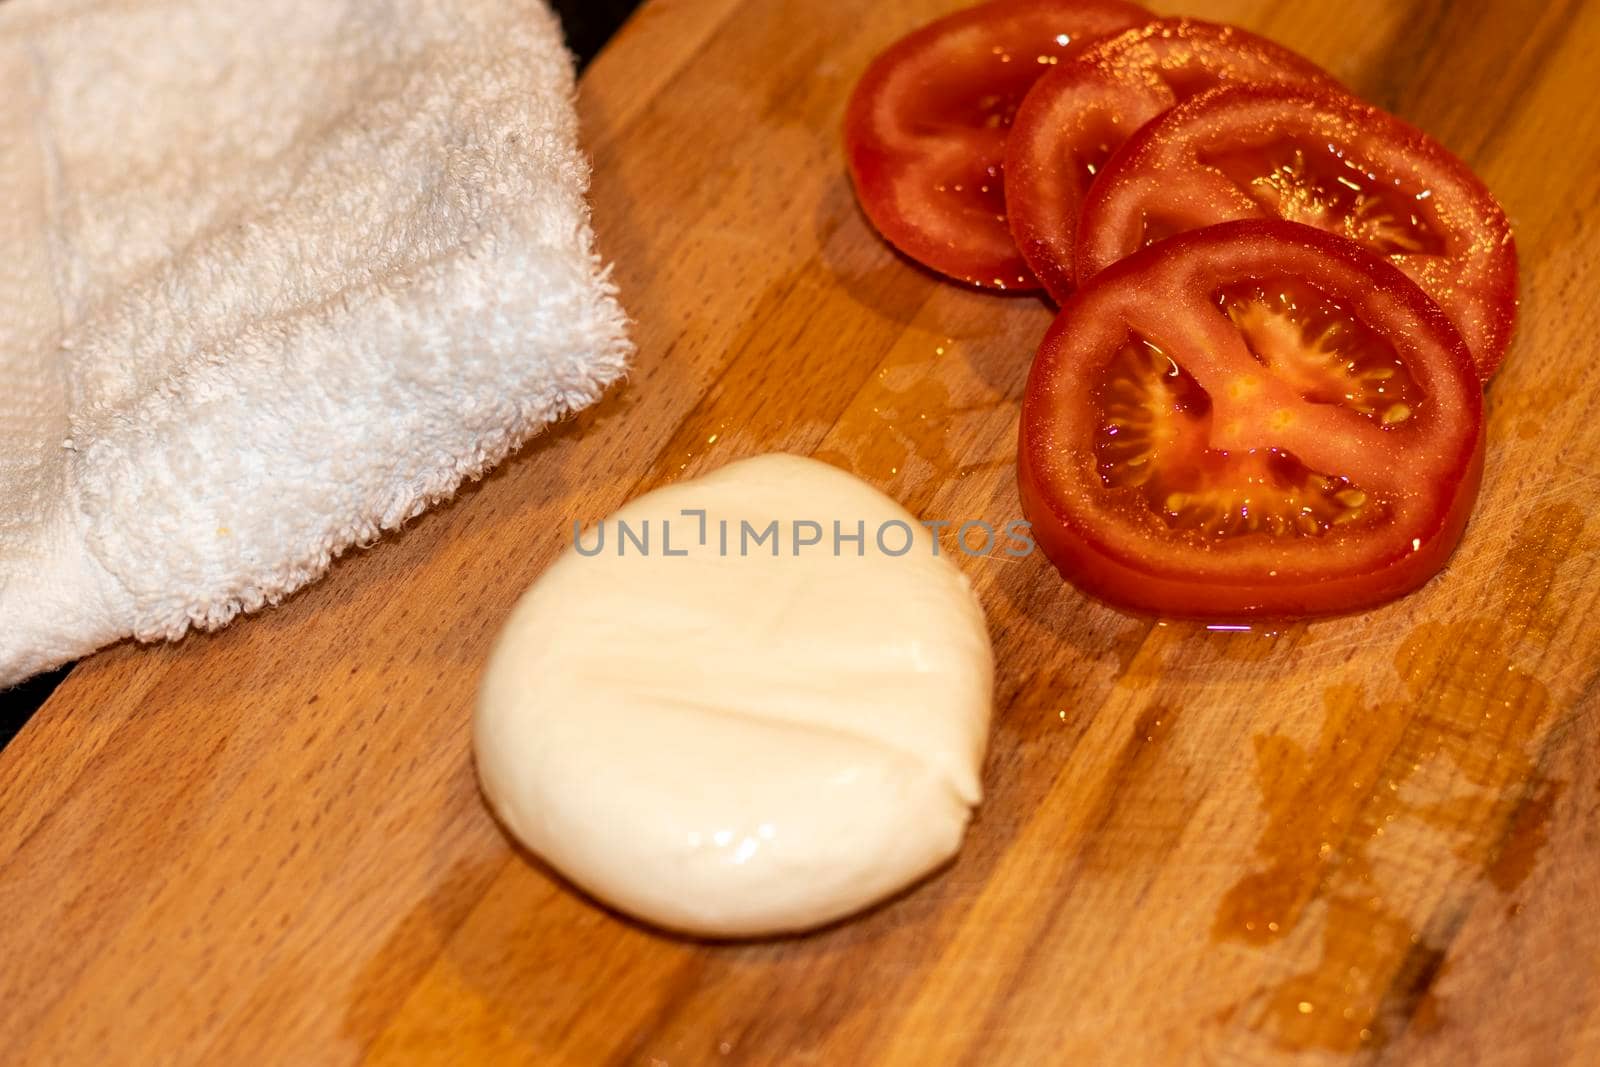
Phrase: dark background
[589,24]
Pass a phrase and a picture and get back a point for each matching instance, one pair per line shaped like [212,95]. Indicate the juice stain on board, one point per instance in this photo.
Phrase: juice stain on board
[912,415]
[1420,793]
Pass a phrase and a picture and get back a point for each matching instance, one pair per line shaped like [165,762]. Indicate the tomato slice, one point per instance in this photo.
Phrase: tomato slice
[1327,161]
[1078,114]
[926,127]
[1254,419]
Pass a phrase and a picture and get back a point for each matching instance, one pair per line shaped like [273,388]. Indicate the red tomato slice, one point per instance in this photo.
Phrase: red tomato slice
[1080,112]
[1327,161]
[1254,419]
[926,127]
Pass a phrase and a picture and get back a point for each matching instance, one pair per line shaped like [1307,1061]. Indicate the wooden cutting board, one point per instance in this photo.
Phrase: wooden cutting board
[1366,840]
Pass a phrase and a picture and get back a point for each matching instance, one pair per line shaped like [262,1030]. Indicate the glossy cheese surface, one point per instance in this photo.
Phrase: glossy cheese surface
[759,733]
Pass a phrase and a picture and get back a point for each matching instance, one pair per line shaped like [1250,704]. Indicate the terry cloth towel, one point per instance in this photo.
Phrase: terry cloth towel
[274,277]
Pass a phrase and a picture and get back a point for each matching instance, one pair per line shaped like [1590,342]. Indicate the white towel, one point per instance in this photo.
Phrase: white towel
[274,277]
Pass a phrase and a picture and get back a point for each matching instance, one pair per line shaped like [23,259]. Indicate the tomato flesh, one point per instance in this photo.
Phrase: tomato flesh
[1327,161]
[1322,186]
[1256,419]
[926,127]
[1151,436]
[1081,112]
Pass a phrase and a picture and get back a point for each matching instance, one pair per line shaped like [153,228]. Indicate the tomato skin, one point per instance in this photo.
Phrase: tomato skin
[1079,113]
[1091,547]
[1106,577]
[1160,170]
[925,128]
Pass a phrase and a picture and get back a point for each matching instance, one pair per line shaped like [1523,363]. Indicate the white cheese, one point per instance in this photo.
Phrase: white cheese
[730,742]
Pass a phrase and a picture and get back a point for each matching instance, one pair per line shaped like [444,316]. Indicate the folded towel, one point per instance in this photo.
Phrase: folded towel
[274,277]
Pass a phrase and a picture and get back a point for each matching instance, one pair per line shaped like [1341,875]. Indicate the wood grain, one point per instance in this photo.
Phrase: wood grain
[1367,840]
